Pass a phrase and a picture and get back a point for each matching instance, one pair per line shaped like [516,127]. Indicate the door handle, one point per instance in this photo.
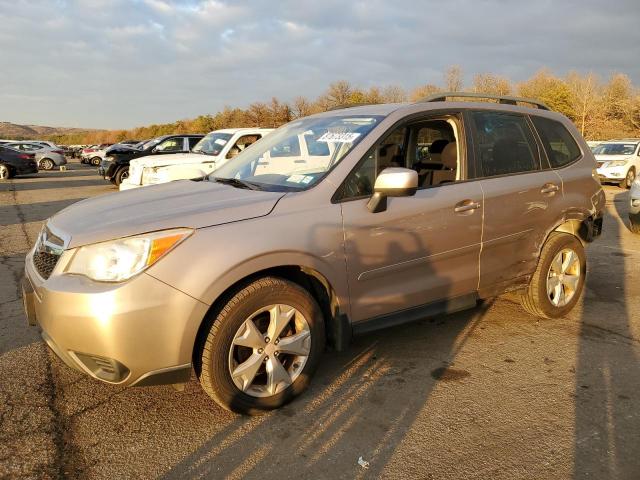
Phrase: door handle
[549,188]
[466,206]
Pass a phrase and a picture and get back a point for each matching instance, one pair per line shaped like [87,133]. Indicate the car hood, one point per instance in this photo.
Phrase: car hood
[173,159]
[611,158]
[183,203]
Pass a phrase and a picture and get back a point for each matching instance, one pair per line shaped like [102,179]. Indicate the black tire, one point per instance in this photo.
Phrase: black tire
[628,180]
[120,175]
[95,161]
[535,299]
[46,164]
[634,222]
[211,357]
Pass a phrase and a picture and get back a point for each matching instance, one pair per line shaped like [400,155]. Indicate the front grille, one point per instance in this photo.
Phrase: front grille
[45,263]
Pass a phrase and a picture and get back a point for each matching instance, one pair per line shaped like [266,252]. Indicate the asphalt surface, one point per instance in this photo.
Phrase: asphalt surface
[489,393]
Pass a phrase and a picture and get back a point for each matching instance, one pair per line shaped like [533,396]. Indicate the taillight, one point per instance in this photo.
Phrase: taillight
[58,151]
[24,156]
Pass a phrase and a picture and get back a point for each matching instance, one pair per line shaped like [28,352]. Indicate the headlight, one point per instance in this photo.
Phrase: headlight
[119,260]
[109,159]
[618,163]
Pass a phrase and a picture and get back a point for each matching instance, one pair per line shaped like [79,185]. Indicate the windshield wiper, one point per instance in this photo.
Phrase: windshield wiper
[235,182]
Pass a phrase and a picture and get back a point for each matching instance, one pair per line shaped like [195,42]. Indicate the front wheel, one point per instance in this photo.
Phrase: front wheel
[121,175]
[262,348]
[557,283]
[628,180]
[95,161]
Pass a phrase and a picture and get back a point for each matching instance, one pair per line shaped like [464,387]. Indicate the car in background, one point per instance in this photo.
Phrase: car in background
[115,166]
[14,162]
[634,206]
[47,158]
[618,161]
[211,152]
[95,154]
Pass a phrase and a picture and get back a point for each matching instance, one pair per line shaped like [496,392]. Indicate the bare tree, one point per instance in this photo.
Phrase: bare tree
[586,97]
[394,94]
[423,91]
[453,78]
[491,84]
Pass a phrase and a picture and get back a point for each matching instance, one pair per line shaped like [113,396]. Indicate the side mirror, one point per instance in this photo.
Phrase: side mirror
[392,182]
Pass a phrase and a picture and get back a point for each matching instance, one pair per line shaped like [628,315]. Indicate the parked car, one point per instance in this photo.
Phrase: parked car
[618,161]
[634,206]
[47,158]
[115,166]
[245,275]
[210,152]
[14,162]
[95,154]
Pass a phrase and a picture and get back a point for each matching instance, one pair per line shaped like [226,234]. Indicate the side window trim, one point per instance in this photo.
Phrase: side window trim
[463,135]
[479,172]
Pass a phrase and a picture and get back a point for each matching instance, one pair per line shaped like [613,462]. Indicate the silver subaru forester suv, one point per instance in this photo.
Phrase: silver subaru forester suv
[334,225]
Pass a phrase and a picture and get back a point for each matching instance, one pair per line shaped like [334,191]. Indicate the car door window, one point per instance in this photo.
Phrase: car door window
[504,144]
[193,141]
[242,143]
[560,146]
[171,145]
[433,152]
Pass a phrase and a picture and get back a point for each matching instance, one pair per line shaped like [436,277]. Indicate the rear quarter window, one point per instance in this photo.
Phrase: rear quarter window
[559,144]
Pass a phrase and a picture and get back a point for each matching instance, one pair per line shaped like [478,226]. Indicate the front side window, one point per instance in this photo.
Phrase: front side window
[212,144]
[193,141]
[504,144]
[560,146]
[171,145]
[279,162]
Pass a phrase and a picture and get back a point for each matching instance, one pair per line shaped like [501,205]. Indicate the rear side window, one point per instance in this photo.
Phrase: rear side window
[193,141]
[560,146]
[504,144]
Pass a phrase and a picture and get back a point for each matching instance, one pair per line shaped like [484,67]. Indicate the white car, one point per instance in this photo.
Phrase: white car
[215,149]
[618,161]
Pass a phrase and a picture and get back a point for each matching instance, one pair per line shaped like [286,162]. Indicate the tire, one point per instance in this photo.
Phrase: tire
[46,164]
[120,175]
[634,223]
[5,172]
[536,299]
[216,355]
[631,176]
[95,161]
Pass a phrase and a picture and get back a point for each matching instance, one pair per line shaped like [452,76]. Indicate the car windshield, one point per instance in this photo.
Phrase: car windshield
[150,144]
[615,149]
[298,154]
[212,144]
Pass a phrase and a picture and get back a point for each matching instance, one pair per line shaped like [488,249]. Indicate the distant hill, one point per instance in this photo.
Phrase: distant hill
[10,130]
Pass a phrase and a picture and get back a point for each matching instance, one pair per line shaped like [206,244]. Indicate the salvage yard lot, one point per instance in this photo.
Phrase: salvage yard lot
[488,393]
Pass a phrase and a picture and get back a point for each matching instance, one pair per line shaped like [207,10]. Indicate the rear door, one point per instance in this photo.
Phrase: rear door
[522,196]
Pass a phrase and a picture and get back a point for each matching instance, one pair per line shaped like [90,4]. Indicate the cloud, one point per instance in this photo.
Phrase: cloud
[122,63]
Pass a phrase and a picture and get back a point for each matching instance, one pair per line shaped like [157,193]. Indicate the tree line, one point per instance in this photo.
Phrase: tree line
[601,109]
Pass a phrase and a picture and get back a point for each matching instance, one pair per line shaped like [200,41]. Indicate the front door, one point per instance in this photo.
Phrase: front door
[423,248]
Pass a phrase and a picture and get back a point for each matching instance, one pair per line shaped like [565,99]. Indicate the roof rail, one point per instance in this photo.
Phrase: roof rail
[503,99]
[348,105]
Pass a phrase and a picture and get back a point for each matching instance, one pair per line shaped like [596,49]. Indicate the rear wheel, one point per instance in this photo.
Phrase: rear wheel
[634,222]
[262,348]
[46,164]
[5,172]
[95,161]
[557,283]
[121,175]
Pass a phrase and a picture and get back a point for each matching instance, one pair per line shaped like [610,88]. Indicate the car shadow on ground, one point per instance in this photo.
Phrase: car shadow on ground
[607,424]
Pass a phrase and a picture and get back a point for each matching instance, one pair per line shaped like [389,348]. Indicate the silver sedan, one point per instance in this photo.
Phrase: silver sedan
[47,157]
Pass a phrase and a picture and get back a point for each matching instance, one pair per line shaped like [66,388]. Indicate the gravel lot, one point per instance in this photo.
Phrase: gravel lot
[489,393]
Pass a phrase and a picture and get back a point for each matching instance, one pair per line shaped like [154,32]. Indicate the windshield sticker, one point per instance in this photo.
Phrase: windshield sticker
[344,137]
[295,178]
[220,141]
[307,179]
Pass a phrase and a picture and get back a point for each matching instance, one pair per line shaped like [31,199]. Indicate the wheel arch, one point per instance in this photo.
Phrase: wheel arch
[337,325]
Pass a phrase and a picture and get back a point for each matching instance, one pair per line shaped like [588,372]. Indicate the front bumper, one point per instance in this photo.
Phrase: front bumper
[139,332]
[612,174]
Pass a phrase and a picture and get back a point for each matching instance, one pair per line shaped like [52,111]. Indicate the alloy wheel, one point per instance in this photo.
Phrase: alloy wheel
[563,277]
[631,176]
[269,350]
[46,164]
[4,172]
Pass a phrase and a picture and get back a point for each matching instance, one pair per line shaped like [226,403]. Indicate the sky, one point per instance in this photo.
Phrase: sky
[126,63]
